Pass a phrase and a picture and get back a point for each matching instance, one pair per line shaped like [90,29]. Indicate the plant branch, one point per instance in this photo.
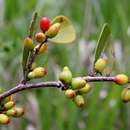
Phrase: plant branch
[52,84]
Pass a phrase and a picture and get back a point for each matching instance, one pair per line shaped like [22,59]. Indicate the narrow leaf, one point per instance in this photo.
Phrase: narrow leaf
[101,44]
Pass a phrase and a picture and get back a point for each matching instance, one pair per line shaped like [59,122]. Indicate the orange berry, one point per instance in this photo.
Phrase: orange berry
[69,93]
[121,79]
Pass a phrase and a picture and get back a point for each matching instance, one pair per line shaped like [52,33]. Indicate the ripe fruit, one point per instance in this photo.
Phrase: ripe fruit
[4,119]
[28,43]
[40,37]
[79,100]
[87,88]
[125,95]
[69,93]
[66,75]
[39,72]
[9,105]
[121,79]
[19,112]
[53,30]
[78,83]
[44,23]
[100,65]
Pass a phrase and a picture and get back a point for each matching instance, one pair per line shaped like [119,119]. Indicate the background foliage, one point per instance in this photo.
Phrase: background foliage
[48,109]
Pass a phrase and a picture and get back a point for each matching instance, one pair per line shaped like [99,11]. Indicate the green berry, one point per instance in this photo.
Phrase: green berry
[87,88]
[65,76]
[79,100]
[78,83]
[100,65]
[9,105]
[11,112]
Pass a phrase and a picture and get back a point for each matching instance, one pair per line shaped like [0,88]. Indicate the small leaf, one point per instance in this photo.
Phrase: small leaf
[104,35]
[67,32]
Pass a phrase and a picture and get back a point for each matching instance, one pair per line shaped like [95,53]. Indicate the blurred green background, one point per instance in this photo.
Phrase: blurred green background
[48,109]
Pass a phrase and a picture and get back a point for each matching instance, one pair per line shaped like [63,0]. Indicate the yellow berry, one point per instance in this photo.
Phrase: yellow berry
[53,30]
[39,72]
[87,88]
[4,119]
[100,65]
[42,49]
[125,95]
[19,112]
[28,43]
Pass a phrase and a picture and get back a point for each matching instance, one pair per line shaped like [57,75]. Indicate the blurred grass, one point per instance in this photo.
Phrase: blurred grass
[88,16]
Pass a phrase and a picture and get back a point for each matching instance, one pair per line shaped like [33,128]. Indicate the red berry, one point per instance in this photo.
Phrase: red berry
[40,37]
[44,23]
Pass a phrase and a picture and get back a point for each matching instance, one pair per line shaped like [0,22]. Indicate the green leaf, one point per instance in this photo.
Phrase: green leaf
[25,59]
[101,44]
[67,32]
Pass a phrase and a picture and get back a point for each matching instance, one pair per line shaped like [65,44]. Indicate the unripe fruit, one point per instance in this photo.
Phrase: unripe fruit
[69,93]
[53,30]
[66,75]
[31,75]
[9,105]
[11,112]
[39,72]
[87,88]
[79,100]
[42,48]
[125,95]
[121,79]
[28,43]
[19,112]
[44,23]
[100,65]
[78,83]
[4,119]
[40,37]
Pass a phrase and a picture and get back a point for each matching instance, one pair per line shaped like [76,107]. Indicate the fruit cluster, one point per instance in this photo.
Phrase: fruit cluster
[76,87]
[48,30]
[8,110]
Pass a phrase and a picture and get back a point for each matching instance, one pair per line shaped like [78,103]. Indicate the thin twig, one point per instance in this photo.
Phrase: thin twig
[54,84]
